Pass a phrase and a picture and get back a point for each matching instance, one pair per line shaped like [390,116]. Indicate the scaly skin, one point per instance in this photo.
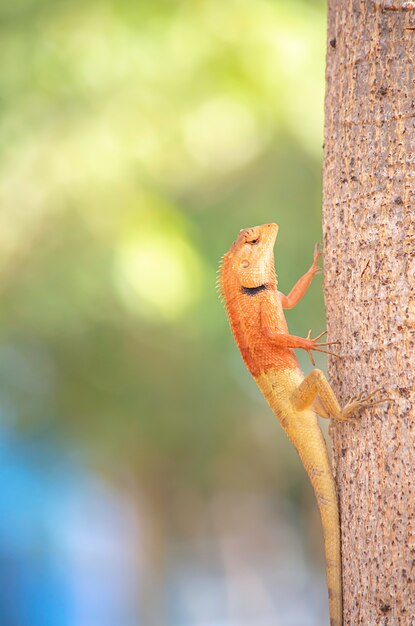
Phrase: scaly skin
[248,284]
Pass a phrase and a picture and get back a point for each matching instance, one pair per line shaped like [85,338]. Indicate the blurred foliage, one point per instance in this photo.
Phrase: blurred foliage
[136,139]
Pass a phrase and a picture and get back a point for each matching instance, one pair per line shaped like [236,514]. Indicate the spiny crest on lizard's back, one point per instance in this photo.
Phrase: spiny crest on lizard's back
[219,279]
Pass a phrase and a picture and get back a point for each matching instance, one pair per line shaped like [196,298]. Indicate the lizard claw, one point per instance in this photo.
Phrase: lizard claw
[318,252]
[316,255]
[317,347]
[360,401]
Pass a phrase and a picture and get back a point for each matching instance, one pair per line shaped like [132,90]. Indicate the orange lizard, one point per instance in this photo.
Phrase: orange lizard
[248,284]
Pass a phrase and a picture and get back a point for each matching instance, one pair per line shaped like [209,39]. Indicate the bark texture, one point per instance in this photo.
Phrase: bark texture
[369,235]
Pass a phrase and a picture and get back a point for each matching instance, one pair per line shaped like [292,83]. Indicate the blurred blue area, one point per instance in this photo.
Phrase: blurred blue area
[66,555]
[65,540]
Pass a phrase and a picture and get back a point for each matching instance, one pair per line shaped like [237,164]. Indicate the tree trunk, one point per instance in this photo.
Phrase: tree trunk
[369,234]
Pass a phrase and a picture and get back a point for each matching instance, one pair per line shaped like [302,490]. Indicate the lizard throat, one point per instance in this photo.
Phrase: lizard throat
[252,291]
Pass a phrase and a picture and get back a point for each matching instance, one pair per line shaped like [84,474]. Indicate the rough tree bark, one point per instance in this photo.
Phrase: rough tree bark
[369,234]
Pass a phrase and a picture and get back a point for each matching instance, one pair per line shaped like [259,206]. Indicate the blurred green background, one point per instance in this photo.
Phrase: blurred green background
[137,138]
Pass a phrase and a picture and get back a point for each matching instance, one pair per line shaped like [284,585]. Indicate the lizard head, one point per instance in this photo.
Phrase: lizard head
[251,257]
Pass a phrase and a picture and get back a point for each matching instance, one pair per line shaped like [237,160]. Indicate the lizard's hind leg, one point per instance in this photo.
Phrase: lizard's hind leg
[315,390]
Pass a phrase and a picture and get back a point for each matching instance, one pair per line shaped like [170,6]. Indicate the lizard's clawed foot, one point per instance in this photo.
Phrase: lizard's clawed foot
[316,255]
[317,252]
[361,401]
[317,347]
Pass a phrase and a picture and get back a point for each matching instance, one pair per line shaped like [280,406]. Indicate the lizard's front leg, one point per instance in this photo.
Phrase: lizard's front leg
[315,387]
[301,286]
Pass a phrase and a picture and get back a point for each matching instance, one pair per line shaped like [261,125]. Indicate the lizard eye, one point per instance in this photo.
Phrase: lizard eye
[253,241]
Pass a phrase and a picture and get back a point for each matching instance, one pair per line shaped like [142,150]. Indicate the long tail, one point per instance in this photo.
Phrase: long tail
[304,432]
[311,447]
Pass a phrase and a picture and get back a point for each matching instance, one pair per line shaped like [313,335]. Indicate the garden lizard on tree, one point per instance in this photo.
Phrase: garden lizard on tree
[248,283]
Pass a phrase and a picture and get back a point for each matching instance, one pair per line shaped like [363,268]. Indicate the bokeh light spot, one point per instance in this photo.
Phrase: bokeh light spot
[222,135]
[158,274]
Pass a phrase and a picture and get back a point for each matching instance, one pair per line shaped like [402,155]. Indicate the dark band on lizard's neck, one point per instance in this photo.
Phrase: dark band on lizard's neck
[252,291]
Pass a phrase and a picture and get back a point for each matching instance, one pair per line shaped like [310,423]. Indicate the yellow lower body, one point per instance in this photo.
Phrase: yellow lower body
[304,432]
